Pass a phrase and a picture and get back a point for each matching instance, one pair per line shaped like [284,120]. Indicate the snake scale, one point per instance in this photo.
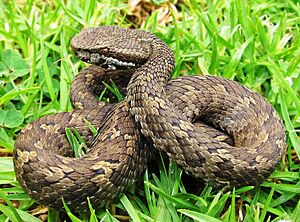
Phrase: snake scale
[214,128]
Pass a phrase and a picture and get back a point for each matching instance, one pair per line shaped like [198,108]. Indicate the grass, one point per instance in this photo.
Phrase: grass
[254,42]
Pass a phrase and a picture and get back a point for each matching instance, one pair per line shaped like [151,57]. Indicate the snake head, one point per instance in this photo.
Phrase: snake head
[112,46]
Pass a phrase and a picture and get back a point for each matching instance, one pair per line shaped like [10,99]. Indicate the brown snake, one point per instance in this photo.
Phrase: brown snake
[215,129]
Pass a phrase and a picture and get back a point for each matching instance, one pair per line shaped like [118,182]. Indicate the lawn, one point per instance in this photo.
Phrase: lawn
[256,43]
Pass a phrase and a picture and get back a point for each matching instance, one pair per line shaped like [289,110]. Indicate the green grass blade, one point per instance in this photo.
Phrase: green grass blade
[174,200]
[9,210]
[131,211]
[198,216]
[289,126]
[69,213]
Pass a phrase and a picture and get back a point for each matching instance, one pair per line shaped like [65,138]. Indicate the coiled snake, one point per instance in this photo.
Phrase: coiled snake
[215,129]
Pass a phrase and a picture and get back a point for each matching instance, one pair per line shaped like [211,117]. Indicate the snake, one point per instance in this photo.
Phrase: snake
[214,128]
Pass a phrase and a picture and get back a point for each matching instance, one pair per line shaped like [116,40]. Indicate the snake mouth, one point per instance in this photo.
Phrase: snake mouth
[107,62]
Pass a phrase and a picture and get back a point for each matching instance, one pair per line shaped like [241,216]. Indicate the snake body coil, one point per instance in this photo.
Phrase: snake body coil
[215,129]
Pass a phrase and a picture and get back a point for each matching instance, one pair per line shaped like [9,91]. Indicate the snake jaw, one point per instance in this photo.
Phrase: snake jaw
[107,62]
[112,62]
[102,58]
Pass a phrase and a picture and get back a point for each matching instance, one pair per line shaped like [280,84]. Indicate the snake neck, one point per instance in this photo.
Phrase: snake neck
[151,78]
[146,93]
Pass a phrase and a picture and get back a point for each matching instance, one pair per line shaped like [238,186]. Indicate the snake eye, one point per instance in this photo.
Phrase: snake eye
[94,58]
[105,50]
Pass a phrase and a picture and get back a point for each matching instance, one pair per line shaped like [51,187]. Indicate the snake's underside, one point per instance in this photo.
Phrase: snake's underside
[214,128]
